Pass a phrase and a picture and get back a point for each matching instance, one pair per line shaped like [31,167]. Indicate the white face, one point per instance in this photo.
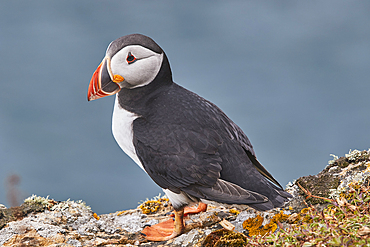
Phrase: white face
[137,65]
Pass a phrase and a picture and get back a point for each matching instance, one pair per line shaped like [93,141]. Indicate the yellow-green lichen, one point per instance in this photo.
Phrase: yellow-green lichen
[40,200]
[153,205]
[234,211]
[150,206]
[69,204]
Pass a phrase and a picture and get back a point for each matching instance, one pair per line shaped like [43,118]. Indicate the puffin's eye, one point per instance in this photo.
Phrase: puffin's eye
[130,58]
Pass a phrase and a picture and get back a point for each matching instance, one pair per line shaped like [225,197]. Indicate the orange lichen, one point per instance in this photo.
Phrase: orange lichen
[280,217]
[254,224]
[122,212]
[96,216]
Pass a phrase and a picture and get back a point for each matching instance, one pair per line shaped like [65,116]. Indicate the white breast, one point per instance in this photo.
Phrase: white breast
[122,131]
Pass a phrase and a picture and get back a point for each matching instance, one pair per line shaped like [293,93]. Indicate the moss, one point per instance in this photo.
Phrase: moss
[352,157]
[16,213]
[342,162]
[222,237]
[226,243]
[213,237]
[319,185]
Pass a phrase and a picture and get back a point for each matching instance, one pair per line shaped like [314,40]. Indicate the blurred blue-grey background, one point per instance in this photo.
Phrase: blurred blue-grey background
[294,75]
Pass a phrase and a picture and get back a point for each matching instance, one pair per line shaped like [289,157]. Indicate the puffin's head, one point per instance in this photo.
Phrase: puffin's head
[130,61]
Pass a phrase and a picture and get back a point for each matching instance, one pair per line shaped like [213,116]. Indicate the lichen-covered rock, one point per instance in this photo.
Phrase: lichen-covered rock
[44,222]
[66,224]
[332,181]
[15,213]
[73,223]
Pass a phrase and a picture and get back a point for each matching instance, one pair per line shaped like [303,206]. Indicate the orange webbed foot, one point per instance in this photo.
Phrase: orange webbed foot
[169,229]
[165,230]
[159,232]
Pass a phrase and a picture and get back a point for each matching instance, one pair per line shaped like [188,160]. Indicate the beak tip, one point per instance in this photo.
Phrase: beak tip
[92,97]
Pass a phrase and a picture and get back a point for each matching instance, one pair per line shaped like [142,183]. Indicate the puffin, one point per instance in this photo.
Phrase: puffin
[185,143]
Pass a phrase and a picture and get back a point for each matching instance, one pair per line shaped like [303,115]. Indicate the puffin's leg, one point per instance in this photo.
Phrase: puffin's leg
[166,230]
[202,207]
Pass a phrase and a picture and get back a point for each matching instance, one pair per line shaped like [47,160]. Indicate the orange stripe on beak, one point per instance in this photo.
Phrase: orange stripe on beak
[94,86]
[95,89]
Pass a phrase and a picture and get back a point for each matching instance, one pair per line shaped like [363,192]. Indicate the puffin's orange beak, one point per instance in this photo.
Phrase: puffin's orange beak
[101,84]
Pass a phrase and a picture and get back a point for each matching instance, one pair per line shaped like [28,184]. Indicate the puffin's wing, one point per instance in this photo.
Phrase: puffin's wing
[176,158]
[226,192]
[247,146]
[186,160]
[262,169]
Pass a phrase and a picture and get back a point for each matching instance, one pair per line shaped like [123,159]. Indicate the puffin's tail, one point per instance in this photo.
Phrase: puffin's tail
[277,200]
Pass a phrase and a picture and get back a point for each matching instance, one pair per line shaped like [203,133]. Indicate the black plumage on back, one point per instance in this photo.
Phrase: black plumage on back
[188,144]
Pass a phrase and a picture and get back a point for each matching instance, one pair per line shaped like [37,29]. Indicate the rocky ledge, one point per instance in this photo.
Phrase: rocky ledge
[45,222]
